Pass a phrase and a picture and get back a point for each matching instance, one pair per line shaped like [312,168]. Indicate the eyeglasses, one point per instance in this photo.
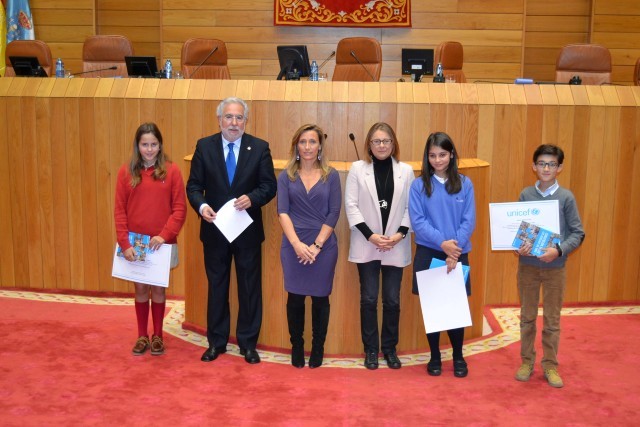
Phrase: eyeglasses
[239,117]
[550,165]
[378,142]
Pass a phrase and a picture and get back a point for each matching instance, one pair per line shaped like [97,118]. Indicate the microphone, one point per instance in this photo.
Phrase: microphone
[362,65]
[95,71]
[203,61]
[325,61]
[353,139]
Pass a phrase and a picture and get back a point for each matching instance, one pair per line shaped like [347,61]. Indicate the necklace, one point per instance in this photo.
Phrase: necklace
[382,202]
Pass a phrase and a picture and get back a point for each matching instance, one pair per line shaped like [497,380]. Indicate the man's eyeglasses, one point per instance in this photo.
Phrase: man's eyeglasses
[550,165]
[239,117]
[378,142]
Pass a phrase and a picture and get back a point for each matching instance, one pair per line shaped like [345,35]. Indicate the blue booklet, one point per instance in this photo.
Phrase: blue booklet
[436,262]
[539,238]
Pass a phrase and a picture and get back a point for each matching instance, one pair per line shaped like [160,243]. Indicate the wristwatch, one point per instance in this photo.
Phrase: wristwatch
[559,249]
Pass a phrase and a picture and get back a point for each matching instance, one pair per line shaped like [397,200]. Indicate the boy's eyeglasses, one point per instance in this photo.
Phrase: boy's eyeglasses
[550,165]
[378,142]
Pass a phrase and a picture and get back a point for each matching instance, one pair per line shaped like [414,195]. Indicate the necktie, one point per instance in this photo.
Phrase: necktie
[231,163]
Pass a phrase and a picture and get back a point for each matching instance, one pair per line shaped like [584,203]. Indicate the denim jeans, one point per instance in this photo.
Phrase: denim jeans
[369,288]
[552,280]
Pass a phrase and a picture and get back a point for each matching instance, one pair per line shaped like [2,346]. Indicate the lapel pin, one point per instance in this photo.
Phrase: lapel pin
[249,148]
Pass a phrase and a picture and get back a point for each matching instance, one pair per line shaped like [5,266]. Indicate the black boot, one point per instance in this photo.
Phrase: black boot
[320,323]
[295,318]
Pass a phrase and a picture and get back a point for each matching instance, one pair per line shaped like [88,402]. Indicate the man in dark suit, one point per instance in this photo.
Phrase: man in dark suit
[226,165]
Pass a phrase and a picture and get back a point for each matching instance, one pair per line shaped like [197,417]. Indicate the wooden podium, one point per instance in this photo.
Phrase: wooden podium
[344,325]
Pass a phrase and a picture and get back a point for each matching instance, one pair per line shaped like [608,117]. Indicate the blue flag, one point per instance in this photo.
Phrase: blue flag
[19,21]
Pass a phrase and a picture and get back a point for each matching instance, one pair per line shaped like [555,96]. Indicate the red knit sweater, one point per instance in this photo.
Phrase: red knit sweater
[152,207]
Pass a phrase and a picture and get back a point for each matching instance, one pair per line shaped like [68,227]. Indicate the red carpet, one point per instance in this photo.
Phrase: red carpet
[71,364]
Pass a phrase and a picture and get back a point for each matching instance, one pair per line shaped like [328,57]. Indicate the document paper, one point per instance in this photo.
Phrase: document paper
[231,222]
[443,299]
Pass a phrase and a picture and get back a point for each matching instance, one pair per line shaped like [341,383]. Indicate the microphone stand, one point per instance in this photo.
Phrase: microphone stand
[362,65]
[353,139]
[95,71]
[326,60]
[203,61]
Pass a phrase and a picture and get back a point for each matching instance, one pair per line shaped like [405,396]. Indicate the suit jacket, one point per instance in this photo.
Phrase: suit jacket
[209,183]
[361,205]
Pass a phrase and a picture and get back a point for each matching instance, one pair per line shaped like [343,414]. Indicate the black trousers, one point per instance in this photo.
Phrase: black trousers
[248,261]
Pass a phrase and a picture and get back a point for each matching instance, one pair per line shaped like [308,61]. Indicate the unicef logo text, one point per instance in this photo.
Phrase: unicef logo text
[525,212]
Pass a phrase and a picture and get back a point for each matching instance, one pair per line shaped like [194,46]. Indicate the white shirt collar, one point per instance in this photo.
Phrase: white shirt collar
[549,191]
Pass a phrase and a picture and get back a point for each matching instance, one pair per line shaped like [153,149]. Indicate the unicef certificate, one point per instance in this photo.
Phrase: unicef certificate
[505,220]
[150,267]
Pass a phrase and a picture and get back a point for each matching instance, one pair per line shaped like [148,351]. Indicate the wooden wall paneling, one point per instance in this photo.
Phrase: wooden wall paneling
[17,183]
[455,119]
[618,283]
[63,25]
[470,121]
[609,162]
[72,151]
[56,222]
[7,209]
[88,112]
[590,250]
[102,122]
[31,188]
[177,148]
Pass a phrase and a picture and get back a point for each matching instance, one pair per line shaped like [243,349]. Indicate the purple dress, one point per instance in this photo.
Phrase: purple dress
[308,212]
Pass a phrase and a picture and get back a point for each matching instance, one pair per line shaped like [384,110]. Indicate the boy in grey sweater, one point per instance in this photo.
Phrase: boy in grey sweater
[546,270]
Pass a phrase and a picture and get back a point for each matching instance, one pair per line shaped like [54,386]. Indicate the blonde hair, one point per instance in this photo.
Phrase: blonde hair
[293,165]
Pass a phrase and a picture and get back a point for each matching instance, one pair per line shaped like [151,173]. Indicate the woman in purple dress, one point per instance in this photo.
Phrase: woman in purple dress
[309,202]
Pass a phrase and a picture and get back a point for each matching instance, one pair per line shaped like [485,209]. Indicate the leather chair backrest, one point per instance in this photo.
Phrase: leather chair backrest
[636,73]
[451,55]
[591,62]
[369,53]
[36,48]
[105,51]
[194,51]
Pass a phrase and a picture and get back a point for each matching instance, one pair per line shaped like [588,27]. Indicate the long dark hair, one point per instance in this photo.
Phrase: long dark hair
[136,163]
[454,183]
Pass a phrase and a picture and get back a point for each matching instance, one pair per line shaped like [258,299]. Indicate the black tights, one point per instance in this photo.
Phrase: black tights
[295,300]
[456,336]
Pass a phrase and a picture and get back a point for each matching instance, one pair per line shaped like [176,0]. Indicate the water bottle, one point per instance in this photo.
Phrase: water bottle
[168,69]
[314,71]
[439,70]
[59,68]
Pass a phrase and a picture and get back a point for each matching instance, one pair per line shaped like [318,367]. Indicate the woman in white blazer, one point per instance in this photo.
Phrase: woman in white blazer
[377,207]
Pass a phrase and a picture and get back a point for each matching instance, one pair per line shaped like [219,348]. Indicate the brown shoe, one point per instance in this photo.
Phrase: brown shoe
[141,346]
[157,346]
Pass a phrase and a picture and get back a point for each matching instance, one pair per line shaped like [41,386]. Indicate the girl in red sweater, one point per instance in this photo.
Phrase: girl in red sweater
[150,200]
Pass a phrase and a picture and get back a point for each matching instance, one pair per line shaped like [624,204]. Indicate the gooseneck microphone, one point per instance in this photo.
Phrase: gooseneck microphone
[203,61]
[326,60]
[353,139]
[95,71]
[362,65]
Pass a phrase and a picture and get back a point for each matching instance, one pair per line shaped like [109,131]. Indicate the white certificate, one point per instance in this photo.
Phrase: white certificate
[443,299]
[152,269]
[505,219]
[231,222]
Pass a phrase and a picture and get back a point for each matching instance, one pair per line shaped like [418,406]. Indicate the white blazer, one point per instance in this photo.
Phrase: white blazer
[361,205]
